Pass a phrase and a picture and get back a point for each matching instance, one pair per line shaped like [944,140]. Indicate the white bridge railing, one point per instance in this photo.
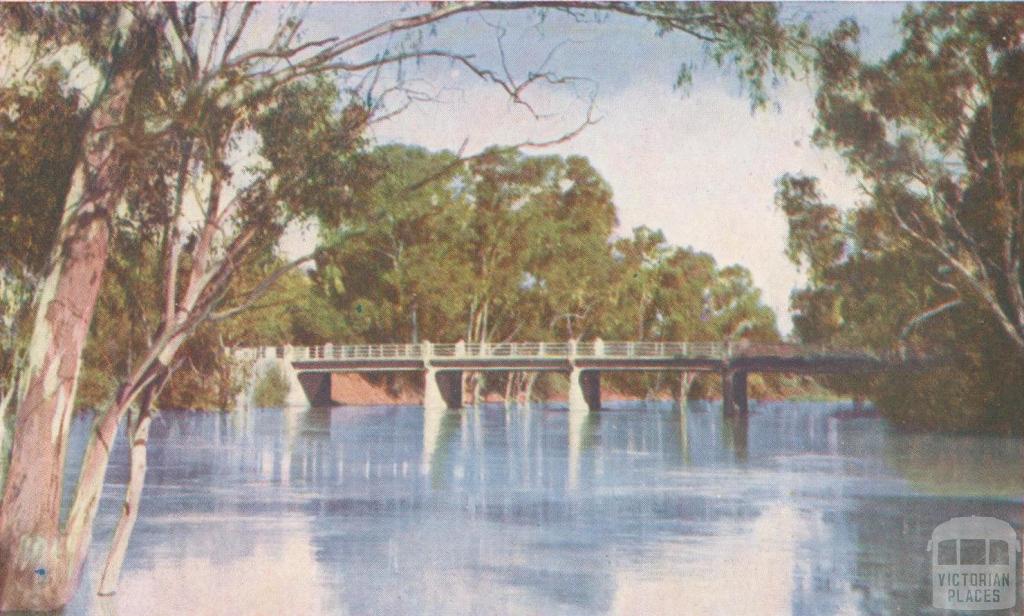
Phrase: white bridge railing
[552,350]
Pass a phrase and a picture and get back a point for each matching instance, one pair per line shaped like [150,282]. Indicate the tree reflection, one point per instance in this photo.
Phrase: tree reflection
[959,465]
[735,435]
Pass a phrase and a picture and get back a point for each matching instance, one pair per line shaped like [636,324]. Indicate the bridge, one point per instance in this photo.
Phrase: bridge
[309,369]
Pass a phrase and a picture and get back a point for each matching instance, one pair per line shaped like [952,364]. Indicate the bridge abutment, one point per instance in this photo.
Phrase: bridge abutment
[734,391]
[584,390]
[442,389]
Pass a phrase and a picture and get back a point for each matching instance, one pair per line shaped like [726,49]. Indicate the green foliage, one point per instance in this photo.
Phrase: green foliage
[40,131]
[206,377]
[271,389]
[314,150]
[930,261]
[416,244]
[749,37]
[506,246]
[664,293]
[308,163]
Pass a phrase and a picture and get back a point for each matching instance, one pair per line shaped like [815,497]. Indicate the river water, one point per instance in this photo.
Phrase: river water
[639,509]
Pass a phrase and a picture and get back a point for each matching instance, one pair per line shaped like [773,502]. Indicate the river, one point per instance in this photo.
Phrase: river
[639,509]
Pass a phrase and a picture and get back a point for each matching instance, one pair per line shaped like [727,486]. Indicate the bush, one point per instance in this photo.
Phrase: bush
[272,388]
[977,394]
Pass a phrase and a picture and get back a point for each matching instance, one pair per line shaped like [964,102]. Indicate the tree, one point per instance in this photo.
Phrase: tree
[63,306]
[499,246]
[932,257]
[308,156]
[667,293]
[390,277]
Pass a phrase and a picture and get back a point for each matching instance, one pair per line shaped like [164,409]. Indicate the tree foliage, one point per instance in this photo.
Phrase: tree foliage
[931,259]
[514,247]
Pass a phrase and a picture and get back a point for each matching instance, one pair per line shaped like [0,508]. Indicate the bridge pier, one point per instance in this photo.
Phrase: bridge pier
[442,389]
[584,390]
[734,392]
[317,389]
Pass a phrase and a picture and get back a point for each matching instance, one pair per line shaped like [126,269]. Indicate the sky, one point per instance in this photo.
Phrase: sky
[697,163]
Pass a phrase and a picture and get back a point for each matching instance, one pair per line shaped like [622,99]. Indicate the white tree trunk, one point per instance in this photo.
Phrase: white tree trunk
[39,563]
[685,381]
[130,508]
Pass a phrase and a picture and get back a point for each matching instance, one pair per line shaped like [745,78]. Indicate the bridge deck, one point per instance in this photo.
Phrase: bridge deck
[564,356]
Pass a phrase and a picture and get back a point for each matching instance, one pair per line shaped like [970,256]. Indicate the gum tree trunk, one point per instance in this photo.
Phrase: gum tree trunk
[139,435]
[39,569]
[685,381]
[35,570]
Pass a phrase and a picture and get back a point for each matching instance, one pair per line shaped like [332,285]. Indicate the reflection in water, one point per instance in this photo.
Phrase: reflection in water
[957,465]
[733,573]
[735,435]
[439,428]
[684,437]
[268,579]
[635,509]
[581,436]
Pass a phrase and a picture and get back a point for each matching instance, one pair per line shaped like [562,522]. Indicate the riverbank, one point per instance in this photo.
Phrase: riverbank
[357,390]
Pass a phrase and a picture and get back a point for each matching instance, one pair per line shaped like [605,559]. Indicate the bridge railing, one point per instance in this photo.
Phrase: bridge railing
[256,353]
[596,348]
[712,350]
[789,350]
[502,349]
[359,351]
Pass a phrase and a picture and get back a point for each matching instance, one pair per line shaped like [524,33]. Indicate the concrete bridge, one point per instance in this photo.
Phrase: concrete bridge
[309,369]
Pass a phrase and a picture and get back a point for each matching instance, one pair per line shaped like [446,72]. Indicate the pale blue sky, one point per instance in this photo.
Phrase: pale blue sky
[697,164]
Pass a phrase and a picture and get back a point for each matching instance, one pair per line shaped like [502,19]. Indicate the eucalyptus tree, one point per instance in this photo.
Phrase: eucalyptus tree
[538,229]
[120,42]
[638,258]
[569,268]
[39,133]
[190,95]
[931,258]
[667,293]
[933,132]
[499,246]
[193,87]
[396,278]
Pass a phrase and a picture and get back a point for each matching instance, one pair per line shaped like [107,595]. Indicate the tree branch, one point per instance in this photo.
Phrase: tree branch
[928,314]
[261,289]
